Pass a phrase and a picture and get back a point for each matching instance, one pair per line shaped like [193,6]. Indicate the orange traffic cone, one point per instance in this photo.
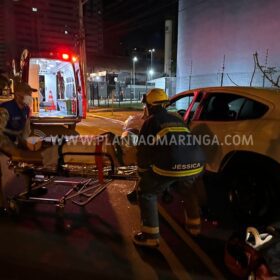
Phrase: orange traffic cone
[52,107]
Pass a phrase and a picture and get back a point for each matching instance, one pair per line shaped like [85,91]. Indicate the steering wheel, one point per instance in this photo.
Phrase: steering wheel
[181,112]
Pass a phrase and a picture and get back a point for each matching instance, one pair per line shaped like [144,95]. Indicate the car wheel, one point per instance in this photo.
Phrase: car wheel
[250,195]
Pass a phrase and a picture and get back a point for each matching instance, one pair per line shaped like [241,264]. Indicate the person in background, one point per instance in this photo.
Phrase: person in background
[161,166]
[14,128]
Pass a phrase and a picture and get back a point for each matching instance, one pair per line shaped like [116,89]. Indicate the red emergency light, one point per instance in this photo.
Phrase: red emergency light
[65,56]
[74,59]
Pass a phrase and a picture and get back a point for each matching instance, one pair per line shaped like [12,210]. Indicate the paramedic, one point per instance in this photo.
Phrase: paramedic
[162,161]
[14,126]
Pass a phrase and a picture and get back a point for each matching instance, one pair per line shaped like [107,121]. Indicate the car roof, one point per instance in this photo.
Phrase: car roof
[271,94]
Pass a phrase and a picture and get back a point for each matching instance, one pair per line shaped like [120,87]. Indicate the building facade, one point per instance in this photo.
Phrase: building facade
[217,40]
[41,25]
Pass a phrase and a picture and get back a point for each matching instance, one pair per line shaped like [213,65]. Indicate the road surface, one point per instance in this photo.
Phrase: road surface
[94,242]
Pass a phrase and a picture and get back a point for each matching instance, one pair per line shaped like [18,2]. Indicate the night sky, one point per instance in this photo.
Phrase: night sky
[136,24]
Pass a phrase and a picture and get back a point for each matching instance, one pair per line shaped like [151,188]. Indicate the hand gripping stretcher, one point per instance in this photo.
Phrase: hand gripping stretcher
[85,179]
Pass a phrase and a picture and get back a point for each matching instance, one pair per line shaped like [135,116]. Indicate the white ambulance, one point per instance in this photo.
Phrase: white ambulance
[61,96]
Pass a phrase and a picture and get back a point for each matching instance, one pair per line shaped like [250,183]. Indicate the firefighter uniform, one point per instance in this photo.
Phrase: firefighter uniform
[166,154]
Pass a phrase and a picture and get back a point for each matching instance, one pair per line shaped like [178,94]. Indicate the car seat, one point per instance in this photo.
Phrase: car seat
[219,109]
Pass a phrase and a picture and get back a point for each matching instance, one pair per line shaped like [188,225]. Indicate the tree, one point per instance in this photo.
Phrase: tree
[268,72]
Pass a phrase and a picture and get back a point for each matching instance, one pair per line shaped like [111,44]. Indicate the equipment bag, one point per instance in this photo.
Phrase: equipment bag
[268,246]
[253,255]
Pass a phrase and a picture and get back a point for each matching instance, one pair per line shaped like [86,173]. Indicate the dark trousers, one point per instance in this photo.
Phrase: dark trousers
[151,185]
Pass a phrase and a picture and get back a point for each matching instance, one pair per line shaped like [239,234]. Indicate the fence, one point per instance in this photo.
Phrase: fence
[104,94]
[101,93]
[255,79]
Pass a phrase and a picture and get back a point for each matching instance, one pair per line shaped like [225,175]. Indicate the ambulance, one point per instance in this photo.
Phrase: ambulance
[61,95]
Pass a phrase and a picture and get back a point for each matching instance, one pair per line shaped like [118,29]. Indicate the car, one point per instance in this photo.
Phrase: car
[239,130]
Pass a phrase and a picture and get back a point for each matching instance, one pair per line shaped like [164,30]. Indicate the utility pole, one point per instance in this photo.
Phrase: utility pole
[265,67]
[82,46]
[134,60]
[223,70]
[151,72]
[190,77]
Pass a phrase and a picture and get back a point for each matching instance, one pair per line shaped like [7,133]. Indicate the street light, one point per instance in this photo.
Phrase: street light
[151,73]
[134,60]
[82,45]
[151,51]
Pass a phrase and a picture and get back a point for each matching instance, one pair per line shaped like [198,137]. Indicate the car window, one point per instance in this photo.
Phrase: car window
[252,110]
[221,107]
[230,107]
[237,104]
[180,105]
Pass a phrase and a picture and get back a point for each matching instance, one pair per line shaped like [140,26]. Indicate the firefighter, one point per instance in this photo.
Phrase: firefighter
[15,128]
[166,157]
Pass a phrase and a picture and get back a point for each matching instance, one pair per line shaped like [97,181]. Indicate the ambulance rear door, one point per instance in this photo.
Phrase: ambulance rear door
[81,92]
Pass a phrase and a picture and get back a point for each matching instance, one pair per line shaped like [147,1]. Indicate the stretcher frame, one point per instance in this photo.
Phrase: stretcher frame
[80,192]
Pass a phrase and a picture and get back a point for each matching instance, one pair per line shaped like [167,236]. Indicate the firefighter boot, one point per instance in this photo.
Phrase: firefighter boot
[193,226]
[143,239]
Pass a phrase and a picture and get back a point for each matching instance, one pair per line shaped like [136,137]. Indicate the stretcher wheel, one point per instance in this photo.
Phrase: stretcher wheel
[14,207]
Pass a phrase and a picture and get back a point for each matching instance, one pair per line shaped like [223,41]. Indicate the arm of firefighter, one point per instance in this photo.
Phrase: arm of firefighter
[144,148]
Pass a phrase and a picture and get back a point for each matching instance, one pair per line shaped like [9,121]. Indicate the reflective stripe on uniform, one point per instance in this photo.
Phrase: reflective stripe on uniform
[150,230]
[166,130]
[193,226]
[195,221]
[177,173]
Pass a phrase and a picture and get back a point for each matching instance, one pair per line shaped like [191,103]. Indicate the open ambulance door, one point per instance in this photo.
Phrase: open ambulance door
[30,75]
[24,66]
[81,92]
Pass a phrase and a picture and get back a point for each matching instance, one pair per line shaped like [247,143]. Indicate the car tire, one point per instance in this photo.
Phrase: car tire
[251,194]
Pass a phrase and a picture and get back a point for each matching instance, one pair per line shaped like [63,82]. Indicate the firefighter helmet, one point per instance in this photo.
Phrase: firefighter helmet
[155,96]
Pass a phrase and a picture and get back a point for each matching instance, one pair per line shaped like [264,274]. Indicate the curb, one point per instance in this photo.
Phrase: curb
[96,110]
[101,117]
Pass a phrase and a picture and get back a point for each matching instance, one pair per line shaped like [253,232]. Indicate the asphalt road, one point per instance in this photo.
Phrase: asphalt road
[96,124]
[94,242]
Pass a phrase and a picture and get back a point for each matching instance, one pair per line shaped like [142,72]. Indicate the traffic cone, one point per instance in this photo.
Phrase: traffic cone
[52,107]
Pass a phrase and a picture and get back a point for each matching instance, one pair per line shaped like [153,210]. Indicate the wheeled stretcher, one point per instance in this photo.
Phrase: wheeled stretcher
[86,174]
